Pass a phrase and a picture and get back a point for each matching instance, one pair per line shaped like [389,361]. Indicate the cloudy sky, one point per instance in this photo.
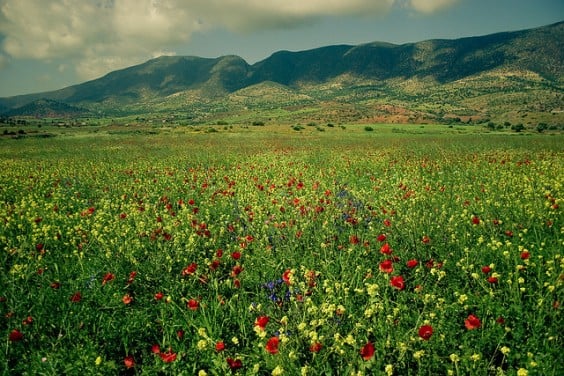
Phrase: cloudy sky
[50,44]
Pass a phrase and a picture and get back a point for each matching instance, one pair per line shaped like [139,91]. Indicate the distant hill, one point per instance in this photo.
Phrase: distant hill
[431,79]
[46,108]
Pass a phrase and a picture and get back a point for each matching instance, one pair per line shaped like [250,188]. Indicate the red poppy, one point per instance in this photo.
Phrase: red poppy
[236,270]
[27,321]
[159,295]
[397,282]
[386,266]
[219,253]
[127,299]
[214,264]
[387,223]
[486,269]
[15,336]
[353,239]
[425,332]
[129,362]
[316,347]
[180,334]
[272,345]
[286,276]
[190,269]
[219,346]
[193,304]
[156,349]
[412,263]
[475,220]
[425,239]
[381,237]
[168,357]
[107,278]
[234,364]
[367,351]
[492,280]
[525,255]
[472,322]
[385,249]
[76,297]
[261,321]
[132,276]
[55,285]
[236,255]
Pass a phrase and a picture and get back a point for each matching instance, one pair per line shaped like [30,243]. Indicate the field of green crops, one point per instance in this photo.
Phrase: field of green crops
[267,252]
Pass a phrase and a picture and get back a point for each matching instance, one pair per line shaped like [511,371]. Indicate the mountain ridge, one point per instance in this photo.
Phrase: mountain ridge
[432,63]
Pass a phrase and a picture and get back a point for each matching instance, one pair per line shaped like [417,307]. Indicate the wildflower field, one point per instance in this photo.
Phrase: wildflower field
[269,252]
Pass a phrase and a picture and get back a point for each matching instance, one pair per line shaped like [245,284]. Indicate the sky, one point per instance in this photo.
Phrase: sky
[50,44]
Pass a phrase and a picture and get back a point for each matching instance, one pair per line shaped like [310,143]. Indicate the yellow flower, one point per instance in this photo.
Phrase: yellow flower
[454,358]
[277,371]
[418,354]
[475,357]
[389,370]
[202,344]
[98,360]
[202,373]
[505,350]
[522,372]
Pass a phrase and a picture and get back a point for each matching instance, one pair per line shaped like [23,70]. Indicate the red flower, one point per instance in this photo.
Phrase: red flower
[261,321]
[525,255]
[486,269]
[397,282]
[219,346]
[156,349]
[132,276]
[385,249]
[475,220]
[412,263]
[316,347]
[236,270]
[126,299]
[381,237]
[15,336]
[386,266]
[168,357]
[367,351]
[107,278]
[234,364]
[236,255]
[55,285]
[159,295]
[129,362]
[77,296]
[272,345]
[492,280]
[387,223]
[193,304]
[472,322]
[286,276]
[219,253]
[425,332]
[190,269]
[425,239]
[353,239]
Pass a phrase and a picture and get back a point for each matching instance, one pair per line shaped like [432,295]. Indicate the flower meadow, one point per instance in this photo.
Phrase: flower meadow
[270,253]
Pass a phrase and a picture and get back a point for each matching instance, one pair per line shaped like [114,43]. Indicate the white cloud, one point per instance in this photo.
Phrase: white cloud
[97,36]
[430,6]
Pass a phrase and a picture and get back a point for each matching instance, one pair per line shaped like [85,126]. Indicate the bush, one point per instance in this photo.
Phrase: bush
[368,128]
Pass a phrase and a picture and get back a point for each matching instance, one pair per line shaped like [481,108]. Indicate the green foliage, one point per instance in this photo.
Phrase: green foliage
[192,251]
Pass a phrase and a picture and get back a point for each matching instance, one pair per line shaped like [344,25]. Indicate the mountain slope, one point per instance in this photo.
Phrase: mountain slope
[418,76]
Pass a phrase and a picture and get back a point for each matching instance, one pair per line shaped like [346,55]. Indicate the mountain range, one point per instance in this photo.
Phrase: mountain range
[511,76]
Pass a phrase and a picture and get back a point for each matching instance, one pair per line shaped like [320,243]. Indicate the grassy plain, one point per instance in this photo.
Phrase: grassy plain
[330,250]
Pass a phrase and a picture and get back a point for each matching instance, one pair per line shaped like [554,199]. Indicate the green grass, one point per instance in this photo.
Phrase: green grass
[122,215]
